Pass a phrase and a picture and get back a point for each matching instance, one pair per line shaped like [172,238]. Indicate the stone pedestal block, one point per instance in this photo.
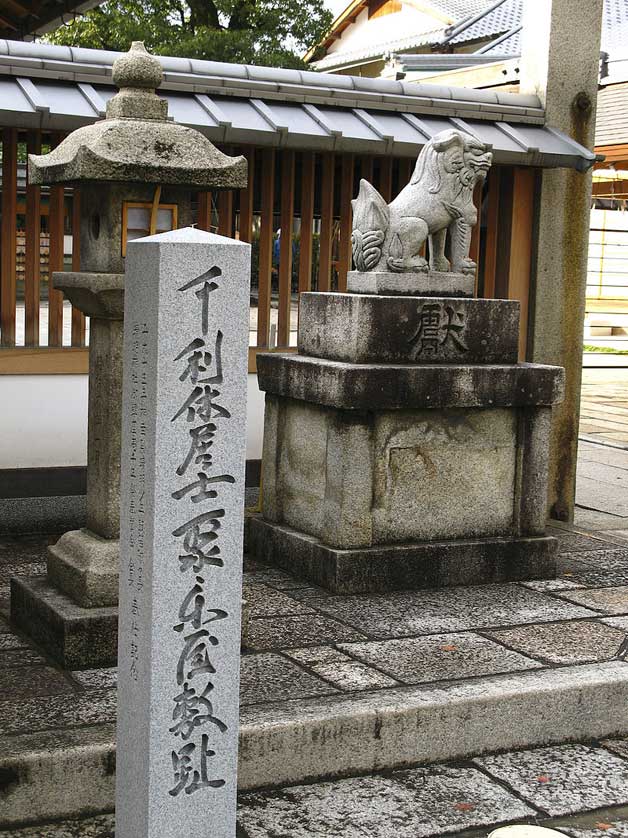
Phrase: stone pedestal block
[385,468]
[420,284]
[363,329]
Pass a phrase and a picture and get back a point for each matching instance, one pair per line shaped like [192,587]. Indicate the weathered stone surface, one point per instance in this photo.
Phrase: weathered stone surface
[10,658]
[425,284]
[617,746]
[74,636]
[565,779]
[85,566]
[544,585]
[404,387]
[579,641]
[369,329]
[60,710]
[137,143]
[98,295]
[421,802]
[269,677]
[341,670]
[400,566]
[599,568]
[186,326]
[457,609]
[439,657]
[47,775]
[377,730]
[304,630]
[605,600]
[18,681]
[266,602]
[101,826]
[97,679]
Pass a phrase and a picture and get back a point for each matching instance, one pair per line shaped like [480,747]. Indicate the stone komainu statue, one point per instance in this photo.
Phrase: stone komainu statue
[439,198]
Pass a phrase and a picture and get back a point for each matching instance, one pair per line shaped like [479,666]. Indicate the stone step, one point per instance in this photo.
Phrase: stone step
[69,774]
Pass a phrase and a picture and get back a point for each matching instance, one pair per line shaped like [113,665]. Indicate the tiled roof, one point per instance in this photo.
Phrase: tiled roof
[611,124]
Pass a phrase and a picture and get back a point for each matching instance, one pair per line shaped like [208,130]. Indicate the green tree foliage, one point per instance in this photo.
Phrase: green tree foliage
[269,32]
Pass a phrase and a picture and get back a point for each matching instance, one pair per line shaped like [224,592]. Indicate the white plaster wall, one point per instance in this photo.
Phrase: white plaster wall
[380,30]
[43,420]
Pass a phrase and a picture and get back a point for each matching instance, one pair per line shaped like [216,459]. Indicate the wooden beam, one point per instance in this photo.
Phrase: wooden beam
[78,318]
[366,169]
[474,247]
[225,213]
[55,263]
[521,247]
[327,222]
[44,361]
[32,256]
[8,234]
[385,178]
[406,165]
[204,211]
[346,194]
[492,231]
[285,247]
[308,166]
[265,267]
[246,200]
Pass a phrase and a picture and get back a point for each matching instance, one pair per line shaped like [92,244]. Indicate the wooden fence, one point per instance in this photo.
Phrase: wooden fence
[308,194]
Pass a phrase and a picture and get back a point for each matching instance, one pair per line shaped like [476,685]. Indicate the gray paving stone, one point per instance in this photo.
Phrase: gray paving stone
[9,640]
[616,622]
[341,670]
[455,609]
[101,826]
[606,600]
[571,542]
[408,804]
[309,592]
[599,829]
[97,679]
[270,633]
[25,681]
[26,548]
[30,715]
[20,657]
[439,657]
[590,519]
[265,601]
[595,569]
[564,779]
[578,641]
[269,677]
[617,746]
[276,578]
[545,585]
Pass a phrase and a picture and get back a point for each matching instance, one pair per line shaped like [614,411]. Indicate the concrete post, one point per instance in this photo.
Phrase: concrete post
[560,63]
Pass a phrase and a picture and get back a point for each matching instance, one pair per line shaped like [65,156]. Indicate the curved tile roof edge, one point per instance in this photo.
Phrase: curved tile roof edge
[18,57]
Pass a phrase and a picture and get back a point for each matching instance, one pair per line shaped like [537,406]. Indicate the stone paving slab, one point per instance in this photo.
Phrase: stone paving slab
[455,609]
[341,670]
[304,630]
[562,780]
[579,641]
[593,569]
[604,600]
[265,601]
[101,826]
[409,804]
[272,677]
[54,712]
[440,657]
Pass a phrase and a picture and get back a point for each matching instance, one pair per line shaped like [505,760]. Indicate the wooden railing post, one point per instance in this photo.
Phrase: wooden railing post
[8,256]
[32,246]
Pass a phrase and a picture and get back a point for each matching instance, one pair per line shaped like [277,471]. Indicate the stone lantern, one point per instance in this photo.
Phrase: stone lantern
[138,171]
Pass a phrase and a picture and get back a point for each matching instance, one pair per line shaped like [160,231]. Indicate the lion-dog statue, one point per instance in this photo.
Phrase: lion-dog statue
[439,198]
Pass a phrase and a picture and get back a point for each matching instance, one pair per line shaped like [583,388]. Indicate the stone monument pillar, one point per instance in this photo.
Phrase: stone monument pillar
[136,159]
[404,446]
[184,432]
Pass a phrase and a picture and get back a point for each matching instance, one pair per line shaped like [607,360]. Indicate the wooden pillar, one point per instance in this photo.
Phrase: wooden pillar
[521,248]
[492,226]
[246,200]
[308,163]
[78,318]
[285,248]
[55,258]
[385,178]
[204,211]
[327,222]
[474,247]
[346,194]
[225,213]
[266,247]
[32,256]
[9,236]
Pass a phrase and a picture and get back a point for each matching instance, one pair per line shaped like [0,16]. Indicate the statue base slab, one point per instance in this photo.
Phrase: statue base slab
[425,284]
[413,565]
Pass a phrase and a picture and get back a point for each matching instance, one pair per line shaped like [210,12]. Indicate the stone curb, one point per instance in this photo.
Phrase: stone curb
[71,773]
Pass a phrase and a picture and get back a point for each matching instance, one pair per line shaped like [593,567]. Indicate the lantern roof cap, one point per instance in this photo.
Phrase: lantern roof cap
[137,142]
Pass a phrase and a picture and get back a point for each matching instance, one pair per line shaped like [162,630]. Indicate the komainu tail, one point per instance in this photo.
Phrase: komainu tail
[370,222]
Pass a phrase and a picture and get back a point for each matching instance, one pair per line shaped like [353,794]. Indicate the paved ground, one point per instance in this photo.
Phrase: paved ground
[305,644]
[604,403]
